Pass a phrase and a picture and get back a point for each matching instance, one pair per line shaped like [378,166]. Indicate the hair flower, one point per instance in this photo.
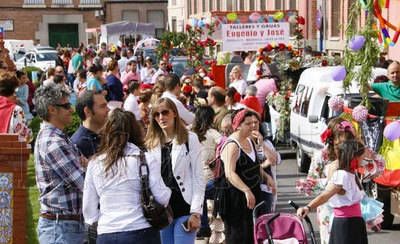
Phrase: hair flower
[326,135]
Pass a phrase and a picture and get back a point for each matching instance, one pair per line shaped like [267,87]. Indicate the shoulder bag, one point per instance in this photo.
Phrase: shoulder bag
[155,213]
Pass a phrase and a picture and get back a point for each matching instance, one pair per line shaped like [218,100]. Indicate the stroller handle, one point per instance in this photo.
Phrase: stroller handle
[307,219]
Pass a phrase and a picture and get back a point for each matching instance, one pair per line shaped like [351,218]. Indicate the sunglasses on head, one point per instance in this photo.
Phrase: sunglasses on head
[63,105]
[163,113]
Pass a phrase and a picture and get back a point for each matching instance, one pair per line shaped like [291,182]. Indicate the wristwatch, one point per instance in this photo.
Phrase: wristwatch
[309,208]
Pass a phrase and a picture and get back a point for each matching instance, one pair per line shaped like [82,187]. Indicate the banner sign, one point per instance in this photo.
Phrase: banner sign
[252,36]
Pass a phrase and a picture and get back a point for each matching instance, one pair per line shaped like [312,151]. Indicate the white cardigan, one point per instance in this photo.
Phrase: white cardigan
[187,169]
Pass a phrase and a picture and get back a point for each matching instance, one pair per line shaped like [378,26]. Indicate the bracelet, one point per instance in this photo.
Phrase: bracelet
[309,208]
[196,215]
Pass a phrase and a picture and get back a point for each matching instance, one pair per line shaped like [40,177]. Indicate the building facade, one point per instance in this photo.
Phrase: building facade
[150,11]
[49,22]
[326,20]
[71,22]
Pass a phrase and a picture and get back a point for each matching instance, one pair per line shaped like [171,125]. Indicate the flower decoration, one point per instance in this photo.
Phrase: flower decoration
[326,135]
[346,126]
[336,103]
[301,20]
[360,113]
[353,165]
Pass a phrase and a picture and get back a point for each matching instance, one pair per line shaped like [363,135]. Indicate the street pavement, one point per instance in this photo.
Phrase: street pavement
[287,176]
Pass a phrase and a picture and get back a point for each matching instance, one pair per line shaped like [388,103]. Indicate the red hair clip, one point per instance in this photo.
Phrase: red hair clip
[326,135]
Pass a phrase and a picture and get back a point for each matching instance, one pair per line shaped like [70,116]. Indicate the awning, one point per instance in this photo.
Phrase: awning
[125,28]
[92,30]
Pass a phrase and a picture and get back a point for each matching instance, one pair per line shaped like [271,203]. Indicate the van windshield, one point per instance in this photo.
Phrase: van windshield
[46,56]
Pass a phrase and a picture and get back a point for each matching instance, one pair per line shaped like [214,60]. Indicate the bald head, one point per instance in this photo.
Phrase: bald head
[393,73]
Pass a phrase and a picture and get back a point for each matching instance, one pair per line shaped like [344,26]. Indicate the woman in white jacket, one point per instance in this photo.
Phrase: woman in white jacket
[178,152]
[112,180]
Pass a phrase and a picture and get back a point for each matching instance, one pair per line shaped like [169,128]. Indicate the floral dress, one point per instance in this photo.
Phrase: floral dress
[314,184]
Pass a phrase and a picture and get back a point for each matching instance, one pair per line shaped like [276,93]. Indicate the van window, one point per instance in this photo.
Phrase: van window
[305,102]
[299,94]
[325,112]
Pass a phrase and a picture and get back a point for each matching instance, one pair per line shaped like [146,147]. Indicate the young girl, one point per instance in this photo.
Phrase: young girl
[344,195]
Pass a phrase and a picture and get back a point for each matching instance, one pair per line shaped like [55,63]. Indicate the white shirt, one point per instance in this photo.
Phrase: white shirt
[131,104]
[185,114]
[146,75]
[122,64]
[213,137]
[119,194]
[347,181]
[157,74]
[240,86]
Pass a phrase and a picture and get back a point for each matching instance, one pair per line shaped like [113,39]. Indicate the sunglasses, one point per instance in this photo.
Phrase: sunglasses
[163,113]
[63,105]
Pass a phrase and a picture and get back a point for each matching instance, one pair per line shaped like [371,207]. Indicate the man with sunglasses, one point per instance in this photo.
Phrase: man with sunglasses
[162,70]
[59,169]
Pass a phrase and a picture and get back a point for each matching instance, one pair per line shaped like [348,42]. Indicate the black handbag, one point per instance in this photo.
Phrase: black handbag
[155,213]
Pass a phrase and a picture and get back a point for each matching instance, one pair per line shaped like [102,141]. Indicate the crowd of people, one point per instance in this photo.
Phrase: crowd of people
[185,125]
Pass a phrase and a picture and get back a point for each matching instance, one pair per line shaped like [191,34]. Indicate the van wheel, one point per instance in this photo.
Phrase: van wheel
[303,161]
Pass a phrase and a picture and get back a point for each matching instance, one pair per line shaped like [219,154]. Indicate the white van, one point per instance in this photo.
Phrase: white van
[18,48]
[310,110]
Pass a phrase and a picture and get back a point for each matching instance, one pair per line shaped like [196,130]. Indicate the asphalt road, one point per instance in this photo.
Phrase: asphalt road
[287,175]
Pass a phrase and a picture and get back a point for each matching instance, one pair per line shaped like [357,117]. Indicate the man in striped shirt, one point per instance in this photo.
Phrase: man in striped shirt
[59,170]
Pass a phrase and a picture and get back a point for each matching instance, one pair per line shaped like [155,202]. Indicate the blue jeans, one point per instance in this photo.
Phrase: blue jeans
[175,234]
[143,236]
[60,231]
[209,194]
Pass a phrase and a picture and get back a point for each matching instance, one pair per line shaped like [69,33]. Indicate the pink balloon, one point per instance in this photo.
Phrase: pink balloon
[254,17]
[392,131]
[357,42]
[339,73]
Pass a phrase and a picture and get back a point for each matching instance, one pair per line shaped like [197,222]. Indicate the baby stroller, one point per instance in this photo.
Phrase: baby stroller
[282,228]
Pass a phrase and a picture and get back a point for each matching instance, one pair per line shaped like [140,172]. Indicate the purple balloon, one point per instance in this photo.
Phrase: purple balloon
[392,131]
[339,73]
[356,43]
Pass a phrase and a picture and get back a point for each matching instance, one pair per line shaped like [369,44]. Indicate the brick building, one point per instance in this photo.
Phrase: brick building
[149,11]
[49,22]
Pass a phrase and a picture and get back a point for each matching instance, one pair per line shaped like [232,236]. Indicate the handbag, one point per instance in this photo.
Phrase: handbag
[156,214]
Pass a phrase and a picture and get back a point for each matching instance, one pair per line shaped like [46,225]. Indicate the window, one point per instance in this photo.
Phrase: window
[157,18]
[279,4]
[173,24]
[263,5]
[173,2]
[90,3]
[34,2]
[210,6]
[335,18]
[218,7]
[305,101]
[61,2]
[130,15]
[241,5]
[229,5]
[203,5]
[189,7]
[252,5]
[195,7]
[293,4]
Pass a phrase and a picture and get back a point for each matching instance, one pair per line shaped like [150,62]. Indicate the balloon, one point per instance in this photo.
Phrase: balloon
[339,73]
[392,131]
[278,16]
[270,19]
[357,42]
[194,22]
[201,23]
[231,16]
[243,19]
[208,20]
[254,17]
[318,20]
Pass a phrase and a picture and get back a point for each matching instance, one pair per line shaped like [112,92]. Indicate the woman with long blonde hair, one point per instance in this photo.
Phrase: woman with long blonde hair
[177,151]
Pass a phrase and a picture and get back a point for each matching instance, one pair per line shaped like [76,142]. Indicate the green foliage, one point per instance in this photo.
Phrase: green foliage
[28,70]
[367,57]
[35,126]
[76,122]
[169,40]
[33,204]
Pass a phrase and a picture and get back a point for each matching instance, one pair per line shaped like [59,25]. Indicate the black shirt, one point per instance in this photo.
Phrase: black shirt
[179,206]
[86,140]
